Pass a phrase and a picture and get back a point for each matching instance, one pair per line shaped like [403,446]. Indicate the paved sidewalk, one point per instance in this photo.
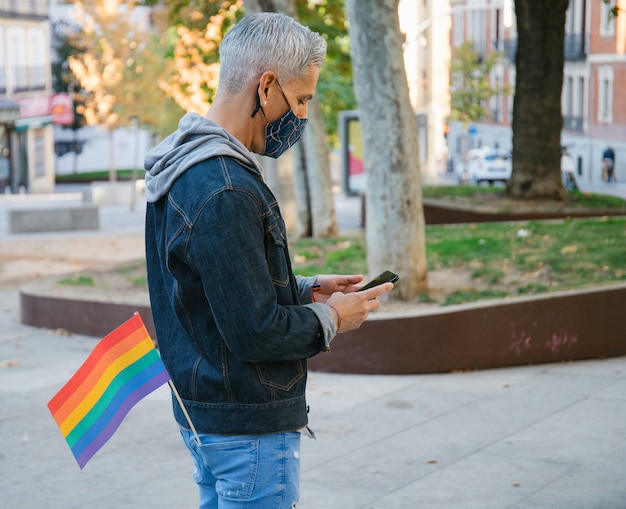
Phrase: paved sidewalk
[540,437]
[614,188]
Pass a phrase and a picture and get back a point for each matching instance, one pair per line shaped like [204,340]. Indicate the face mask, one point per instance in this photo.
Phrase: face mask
[283,132]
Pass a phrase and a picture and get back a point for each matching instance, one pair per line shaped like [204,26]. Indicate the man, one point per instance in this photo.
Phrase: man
[608,165]
[234,325]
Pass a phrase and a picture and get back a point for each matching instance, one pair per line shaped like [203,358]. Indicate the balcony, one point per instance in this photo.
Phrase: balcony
[571,123]
[575,48]
[29,9]
[3,80]
[509,46]
[29,78]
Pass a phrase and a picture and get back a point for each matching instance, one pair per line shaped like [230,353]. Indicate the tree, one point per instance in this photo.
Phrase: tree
[471,83]
[334,88]
[119,64]
[198,35]
[146,68]
[395,227]
[615,8]
[193,14]
[98,68]
[537,117]
[64,41]
[326,17]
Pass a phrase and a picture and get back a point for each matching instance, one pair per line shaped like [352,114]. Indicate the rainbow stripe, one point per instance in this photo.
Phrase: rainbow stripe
[123,368]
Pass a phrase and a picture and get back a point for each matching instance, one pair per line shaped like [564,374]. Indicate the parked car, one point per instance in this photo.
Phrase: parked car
[485,165]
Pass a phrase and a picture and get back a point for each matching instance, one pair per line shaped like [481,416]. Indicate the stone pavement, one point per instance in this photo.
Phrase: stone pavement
[550,436]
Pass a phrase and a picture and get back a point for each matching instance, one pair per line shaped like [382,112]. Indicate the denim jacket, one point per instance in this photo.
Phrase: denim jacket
[233,324]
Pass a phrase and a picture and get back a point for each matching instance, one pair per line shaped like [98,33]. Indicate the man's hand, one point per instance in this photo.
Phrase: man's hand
[328,284]
[354,307]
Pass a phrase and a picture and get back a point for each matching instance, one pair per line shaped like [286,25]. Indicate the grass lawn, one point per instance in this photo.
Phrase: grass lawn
[93,176]
[480,195]
[469,262]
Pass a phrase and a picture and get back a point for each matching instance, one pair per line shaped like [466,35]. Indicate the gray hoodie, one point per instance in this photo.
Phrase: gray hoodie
[197,139]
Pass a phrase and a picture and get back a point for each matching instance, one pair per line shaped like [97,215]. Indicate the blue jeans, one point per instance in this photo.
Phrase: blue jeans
[260,471]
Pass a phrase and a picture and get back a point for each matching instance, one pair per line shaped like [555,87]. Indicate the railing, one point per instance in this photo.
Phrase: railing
[509,46]
[575,47]
[24,8]
[571,123]
[27,78]
[3,80]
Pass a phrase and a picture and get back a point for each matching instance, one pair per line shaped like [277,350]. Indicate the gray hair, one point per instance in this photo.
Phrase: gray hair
[268,41]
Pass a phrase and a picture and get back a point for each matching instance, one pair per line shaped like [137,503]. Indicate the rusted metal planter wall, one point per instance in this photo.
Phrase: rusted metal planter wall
[559,327]
[436,212]
[88,317]
[563,327]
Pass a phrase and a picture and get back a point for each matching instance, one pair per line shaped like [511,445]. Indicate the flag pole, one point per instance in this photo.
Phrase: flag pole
[180,402]
[182,406]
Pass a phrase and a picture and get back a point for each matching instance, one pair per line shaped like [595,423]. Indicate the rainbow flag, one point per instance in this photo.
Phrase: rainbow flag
[123,368]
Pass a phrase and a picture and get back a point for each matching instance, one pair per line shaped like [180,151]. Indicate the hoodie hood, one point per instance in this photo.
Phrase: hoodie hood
[197,139]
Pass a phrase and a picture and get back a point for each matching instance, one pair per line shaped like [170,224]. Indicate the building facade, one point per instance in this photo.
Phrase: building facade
[426,25]
[594,110]
[26,134]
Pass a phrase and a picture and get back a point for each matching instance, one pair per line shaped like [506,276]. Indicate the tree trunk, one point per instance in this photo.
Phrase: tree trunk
[314,167]
[302,192]
[75,154]
[537,118]
[112,171]
[320,186]
[279,178]
[395,216]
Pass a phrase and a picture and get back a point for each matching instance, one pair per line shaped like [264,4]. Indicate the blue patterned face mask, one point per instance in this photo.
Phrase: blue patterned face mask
[284,132]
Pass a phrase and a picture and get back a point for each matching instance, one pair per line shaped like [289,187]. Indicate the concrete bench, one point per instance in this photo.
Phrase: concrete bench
[82,217]
[115,193]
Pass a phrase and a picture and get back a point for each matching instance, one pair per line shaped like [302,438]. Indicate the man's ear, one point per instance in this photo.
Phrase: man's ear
[265,82]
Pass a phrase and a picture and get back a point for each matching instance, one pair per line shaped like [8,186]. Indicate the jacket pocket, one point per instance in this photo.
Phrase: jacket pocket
[276,253]
[280,375]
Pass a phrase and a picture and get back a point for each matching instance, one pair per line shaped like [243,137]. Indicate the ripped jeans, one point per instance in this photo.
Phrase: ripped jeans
[234,472]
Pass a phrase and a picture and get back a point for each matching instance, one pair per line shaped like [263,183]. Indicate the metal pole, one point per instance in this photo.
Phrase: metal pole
[133,190]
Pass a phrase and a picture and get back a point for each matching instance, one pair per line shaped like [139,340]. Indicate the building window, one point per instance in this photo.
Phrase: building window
[36,67]
[477,31]
[605,95]
[458,33]
[39,160]
[573,101]
[580,98]
[568,96]
[512,81]
[3,66]
[607,21]
[497,101]
[496,35]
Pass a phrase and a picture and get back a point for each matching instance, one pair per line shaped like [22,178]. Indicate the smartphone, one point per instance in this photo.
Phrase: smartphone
[385,277]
